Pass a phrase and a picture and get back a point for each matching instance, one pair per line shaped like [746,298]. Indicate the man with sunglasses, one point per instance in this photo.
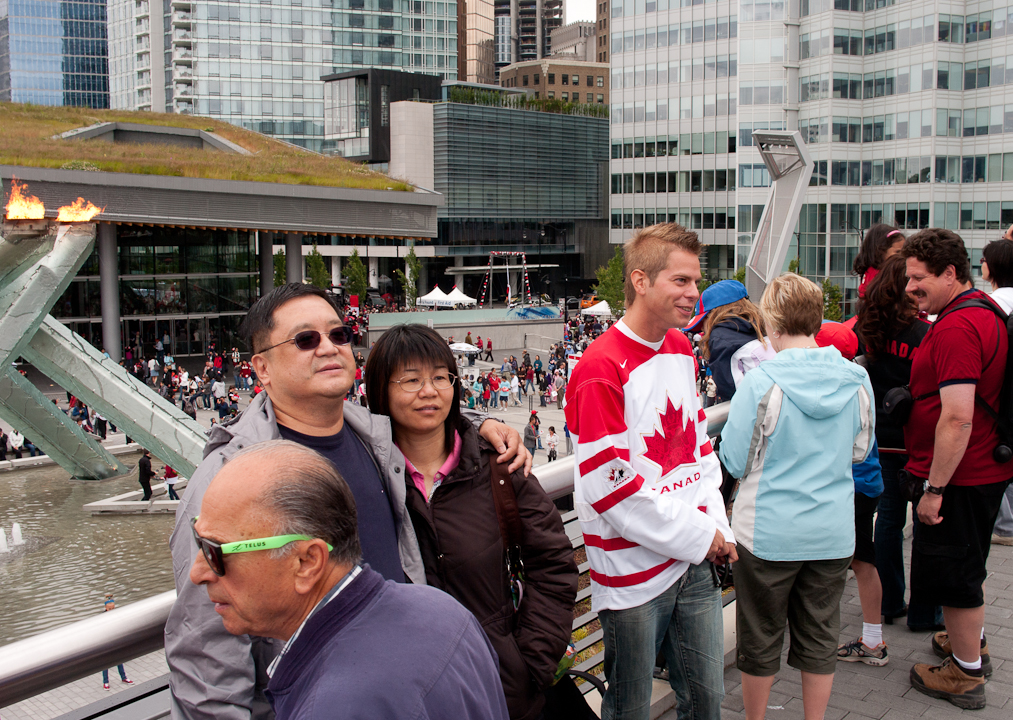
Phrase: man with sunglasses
[280,558]
[303,358]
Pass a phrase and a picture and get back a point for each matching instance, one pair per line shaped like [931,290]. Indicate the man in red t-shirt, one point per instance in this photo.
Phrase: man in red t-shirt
[950,438]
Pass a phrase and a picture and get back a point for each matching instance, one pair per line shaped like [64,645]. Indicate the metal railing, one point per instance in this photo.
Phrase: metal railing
[54,658]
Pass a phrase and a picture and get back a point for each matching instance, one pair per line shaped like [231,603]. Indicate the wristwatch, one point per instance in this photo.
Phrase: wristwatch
[933,489]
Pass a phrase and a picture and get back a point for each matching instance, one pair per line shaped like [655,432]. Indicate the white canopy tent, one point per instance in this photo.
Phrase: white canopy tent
[459,298]
[435,298]
[602,309]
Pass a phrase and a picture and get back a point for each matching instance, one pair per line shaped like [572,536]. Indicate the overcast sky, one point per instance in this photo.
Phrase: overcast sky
[580,10]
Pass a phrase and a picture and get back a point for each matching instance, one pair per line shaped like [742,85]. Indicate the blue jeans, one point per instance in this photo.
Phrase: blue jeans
[684,622]
[1004,524]
[105,675]
[889,539]
[494,399]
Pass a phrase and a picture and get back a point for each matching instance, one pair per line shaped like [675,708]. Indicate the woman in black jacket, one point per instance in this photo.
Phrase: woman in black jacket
[890,332]
[449,474]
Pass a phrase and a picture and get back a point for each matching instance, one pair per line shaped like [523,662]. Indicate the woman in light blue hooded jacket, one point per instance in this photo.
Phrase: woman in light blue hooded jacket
[796,424]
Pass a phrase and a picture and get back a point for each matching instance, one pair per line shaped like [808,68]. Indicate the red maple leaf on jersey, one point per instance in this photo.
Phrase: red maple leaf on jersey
[675,445]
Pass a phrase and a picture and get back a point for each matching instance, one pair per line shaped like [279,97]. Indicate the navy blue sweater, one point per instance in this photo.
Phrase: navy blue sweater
[386,650]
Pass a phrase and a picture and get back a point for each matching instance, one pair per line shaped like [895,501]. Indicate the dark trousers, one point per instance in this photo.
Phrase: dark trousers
[889,539]
[172,491]
[488,356]
[146,486]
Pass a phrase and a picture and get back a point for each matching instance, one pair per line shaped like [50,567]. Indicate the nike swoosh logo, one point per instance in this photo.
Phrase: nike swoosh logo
[623,363]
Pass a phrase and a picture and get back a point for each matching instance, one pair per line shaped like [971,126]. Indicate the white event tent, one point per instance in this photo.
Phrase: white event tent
[602,309]
[459,298]
[436,298]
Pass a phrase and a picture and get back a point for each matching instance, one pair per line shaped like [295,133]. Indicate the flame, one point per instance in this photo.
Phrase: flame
[22,206]
[80,211]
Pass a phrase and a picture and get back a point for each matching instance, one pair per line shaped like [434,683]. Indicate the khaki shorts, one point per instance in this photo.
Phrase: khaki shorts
[804,594]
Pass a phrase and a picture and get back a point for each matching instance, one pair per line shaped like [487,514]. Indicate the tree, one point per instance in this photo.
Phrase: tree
[316,269]
[740,275]
[356,277]
[410,283]
[279,268]
[832,300]
[793,266]
[610,283]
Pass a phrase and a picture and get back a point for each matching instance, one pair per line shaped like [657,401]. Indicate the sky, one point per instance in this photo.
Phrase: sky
[580,10]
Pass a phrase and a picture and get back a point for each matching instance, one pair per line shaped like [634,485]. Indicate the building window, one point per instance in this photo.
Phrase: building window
[537,79]
[551,95]
[601,81]
[525,81]
[590,81]
[566,79]
[552,80]
[566,97]
[601,98]
[384,105]
[576,80]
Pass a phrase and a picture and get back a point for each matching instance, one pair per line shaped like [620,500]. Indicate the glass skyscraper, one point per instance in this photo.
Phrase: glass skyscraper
[54,52]
[258,64]
[907,112]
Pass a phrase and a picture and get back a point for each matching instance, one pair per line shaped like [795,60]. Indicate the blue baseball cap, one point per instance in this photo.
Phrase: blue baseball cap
[714,296]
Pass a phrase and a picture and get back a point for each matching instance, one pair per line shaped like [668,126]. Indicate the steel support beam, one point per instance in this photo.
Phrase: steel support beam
[132,406]
[24,407]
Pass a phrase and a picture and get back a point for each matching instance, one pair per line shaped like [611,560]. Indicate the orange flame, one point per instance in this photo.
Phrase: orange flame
[80,210]
[22,206]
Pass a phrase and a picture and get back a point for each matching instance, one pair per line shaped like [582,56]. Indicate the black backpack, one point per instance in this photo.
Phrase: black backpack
[1003,415]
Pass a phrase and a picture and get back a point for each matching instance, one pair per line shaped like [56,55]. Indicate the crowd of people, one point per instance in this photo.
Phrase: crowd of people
[359,505]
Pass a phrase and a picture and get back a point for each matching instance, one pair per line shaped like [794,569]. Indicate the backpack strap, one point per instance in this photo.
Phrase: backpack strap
[511,529]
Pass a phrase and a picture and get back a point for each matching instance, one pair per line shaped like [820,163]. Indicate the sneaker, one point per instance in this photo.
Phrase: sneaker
[941,647]
[128,681]
[105,686]
[950,682]
[858,651]
[1002,539]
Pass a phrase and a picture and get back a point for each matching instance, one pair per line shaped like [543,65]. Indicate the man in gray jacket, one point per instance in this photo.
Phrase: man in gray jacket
[303,357]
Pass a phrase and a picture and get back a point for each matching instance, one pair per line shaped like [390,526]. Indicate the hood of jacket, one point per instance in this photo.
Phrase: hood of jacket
[820,382]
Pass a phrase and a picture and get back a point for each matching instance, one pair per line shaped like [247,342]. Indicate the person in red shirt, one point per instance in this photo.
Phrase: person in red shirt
[950,437]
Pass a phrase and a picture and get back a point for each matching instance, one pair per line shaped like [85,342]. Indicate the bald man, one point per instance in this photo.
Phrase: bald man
[280,558]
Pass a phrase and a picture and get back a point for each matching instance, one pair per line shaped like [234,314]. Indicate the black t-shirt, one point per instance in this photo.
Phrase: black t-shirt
[891,369]
[377,529]
[143,468]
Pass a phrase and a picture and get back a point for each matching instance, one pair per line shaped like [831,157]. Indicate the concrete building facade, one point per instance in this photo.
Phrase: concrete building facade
[560,77]
[578,39]
[906,111]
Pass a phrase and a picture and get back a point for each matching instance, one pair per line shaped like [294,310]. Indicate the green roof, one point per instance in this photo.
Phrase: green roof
[31,133]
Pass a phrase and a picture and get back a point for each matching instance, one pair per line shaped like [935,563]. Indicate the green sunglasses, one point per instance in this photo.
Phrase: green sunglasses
[215,552]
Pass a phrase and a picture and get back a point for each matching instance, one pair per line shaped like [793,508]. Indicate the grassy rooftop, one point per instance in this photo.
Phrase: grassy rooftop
[28,132]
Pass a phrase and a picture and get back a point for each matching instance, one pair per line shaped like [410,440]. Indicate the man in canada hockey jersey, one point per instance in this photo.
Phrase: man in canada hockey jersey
[647,487]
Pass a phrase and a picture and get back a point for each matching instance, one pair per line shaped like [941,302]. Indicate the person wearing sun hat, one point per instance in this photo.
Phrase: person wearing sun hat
[732,337]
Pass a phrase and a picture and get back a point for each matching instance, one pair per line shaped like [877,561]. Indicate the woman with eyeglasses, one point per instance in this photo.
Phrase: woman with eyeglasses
[526,611]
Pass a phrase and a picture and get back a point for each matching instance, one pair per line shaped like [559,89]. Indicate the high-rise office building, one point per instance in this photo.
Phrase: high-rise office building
[475,41]
[258,64]
[906,111]
[53,52]
[523,29]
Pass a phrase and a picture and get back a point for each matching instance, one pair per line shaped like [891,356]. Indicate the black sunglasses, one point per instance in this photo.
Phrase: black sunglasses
[310,339]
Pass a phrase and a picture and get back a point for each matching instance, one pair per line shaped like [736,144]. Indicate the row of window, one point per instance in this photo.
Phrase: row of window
[814,7]
[701,68]
[682,108]
[973,28]
[753,175]
[914,78]
[761,51]
[862,173]
[685,144]
[996,167]
[871,41]
[565,79]
[854,86]
[674,181]
[746,130]
[974,215]
[686,33]
[697,218]
[762,92]
[575,97]
[969,122]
